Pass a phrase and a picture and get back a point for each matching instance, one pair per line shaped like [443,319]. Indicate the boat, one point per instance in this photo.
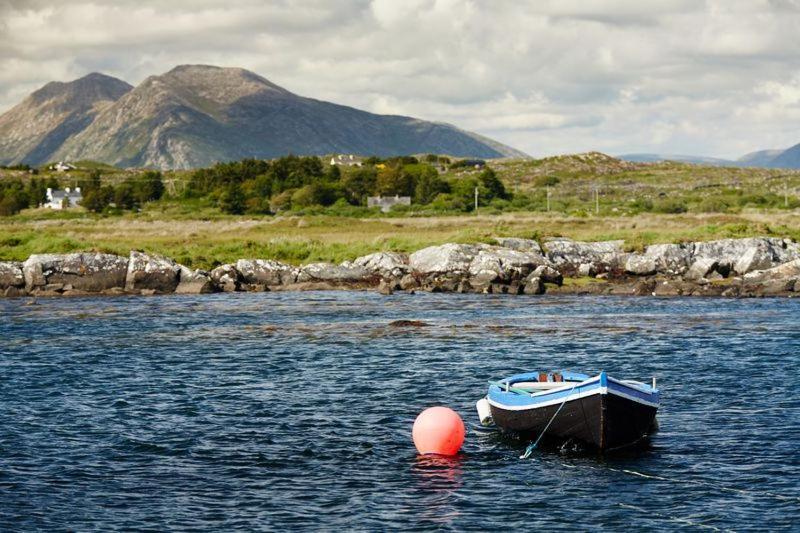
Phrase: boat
[599,411]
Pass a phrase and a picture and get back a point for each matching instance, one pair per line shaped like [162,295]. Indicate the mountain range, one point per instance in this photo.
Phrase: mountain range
[195,115]
[788,158]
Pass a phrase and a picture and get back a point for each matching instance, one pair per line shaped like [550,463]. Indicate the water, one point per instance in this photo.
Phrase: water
[266,411]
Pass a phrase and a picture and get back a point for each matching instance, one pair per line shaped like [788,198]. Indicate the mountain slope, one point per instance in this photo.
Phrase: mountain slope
[35,129]
[693,159]
[761,158]
[195,115]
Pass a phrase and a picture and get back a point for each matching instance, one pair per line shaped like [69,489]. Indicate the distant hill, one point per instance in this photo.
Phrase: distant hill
[761,158]
[34,130]
[195,115]
[693,159]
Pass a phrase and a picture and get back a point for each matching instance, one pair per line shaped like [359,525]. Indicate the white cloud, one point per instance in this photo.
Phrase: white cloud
[716,77]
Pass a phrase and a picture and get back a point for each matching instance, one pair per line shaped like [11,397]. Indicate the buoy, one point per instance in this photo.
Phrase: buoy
[438,430]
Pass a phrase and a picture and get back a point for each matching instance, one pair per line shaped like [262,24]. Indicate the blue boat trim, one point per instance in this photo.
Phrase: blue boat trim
[586,386]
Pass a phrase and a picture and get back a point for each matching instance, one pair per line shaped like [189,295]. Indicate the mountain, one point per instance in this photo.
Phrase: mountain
[693,159]
[195,115]
[761,158]
[38,126]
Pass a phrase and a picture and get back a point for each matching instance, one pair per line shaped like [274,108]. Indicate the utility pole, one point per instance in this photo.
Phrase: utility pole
[476,199]
[785,193]
[596,199]
[548,199]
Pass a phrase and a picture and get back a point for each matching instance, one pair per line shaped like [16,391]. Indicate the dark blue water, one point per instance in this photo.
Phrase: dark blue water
[265,411]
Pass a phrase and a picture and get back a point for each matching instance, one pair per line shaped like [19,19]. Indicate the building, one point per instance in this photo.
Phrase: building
[58,199]
[348,160]
[387,202]
[62,167]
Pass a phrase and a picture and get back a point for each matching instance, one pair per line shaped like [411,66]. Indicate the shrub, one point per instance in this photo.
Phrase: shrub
[669,205]
[546,181]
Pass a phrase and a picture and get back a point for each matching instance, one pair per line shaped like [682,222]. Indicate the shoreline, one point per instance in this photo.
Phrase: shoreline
[750,267]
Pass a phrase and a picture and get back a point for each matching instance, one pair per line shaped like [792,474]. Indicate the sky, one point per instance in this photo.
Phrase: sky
[715,78]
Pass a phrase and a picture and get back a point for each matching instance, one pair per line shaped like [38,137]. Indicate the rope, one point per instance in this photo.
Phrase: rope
[533,445]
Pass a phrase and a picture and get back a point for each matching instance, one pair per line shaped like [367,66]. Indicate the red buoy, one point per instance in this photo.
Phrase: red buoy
[438,430]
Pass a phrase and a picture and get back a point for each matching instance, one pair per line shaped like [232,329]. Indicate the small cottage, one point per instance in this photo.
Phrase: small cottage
[387,202]
[58,199]
[348,160]
[62,167]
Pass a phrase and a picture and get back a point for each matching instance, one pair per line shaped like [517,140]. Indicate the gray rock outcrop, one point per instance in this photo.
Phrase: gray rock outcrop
[384,264]
[194,282]
[569,255]
[523,245]
[227,278]
[266,272]
[448,258]
[151,272]
[346,272]
[11,274]
[90,272]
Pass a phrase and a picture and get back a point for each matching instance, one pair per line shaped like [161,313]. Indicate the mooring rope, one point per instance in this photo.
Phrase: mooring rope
[533,445]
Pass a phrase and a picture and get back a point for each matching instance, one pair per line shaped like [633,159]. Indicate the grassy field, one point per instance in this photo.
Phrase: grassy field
[206,243]
[591,197]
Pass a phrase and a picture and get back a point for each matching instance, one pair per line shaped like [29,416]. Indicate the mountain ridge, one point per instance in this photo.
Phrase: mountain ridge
[195,115]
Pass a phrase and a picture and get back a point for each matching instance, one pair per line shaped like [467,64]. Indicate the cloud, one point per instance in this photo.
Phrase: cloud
[718,77]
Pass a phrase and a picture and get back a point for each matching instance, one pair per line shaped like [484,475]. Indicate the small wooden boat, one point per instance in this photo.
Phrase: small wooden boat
[601,411]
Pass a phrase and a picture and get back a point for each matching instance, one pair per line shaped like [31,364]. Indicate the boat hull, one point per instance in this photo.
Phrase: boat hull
[604,421]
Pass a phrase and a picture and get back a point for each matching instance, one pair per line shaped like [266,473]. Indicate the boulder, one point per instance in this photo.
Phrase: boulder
[151,272]
[11,275]
[345,273]
[533,285]
[587,270]
[669,259]
[522,245]
[194,282]
[408,282]
[640,265]
[266,272]
[444,259]
[226,278]
[385,288]
[786,271]
[547,274]
[384,264]
[504,265]
[569,254]
[701,268]
[744,255]
[89,272]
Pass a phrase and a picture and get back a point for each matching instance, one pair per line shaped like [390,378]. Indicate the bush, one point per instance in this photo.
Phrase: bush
[546,181]
[232,201]
[669,205]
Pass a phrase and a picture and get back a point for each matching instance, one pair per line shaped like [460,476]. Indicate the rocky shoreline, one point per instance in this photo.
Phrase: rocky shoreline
[730,267]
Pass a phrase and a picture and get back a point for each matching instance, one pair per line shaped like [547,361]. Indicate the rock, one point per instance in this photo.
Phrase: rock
[522,245]
[640,265]
[786,271]
[444,259]
[754,258]
[14,292]
[227,278]
[533,285]
[408,282]
[464,287]
[266,272]
[587,270]
[151,272]
[194,282]
[701,268]
[385,288]
[408,324]
[547,274]
[90,272]
[384,264]
[346,272]
[504,265]
[669,259]
[569,254]
[645,287]
[11,275]
[743,255]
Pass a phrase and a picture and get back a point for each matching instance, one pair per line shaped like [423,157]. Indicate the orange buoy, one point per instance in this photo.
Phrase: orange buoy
[438,430]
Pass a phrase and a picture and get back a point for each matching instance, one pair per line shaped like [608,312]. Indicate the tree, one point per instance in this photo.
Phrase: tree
[232,200]
[493,185]
[148,187]
[393,181]
[96,200]
[359,184]
[124,196]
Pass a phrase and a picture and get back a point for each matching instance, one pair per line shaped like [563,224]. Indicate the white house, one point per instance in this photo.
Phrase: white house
[387,202]
[62,167]
[349,160]
[57,199]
